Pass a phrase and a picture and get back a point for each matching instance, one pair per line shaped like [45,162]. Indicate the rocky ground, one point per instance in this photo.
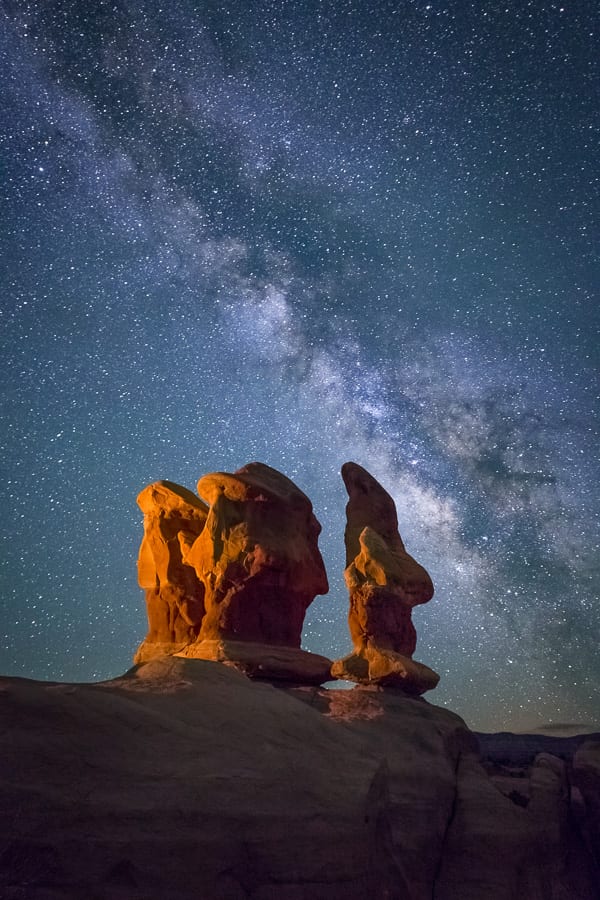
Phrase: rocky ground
[185,779]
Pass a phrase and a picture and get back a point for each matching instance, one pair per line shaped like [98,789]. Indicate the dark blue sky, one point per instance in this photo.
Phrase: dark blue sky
[304,233]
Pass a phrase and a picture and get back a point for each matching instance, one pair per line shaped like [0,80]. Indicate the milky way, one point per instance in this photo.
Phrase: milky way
[304,233]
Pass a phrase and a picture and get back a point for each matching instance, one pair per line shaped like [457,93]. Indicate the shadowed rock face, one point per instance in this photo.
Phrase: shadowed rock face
[586,775]
[385,583]
[257,557]
[183,779]
[173,517]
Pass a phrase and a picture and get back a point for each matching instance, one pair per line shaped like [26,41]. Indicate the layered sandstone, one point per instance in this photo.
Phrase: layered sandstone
[185,779]
[384,584]
[231,580]
[173,518]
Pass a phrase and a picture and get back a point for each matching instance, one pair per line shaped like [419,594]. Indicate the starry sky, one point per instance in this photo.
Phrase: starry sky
[304,233]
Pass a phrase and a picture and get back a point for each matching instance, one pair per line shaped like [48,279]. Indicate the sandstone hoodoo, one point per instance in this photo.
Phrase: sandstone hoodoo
[185,779]
[255,566]
[173,517]
[385,583]
[257,557]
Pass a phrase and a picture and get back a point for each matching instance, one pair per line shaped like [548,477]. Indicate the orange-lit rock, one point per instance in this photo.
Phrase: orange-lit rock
[385,583]
[386,668]
[257,557]
[271,662]
[173,519]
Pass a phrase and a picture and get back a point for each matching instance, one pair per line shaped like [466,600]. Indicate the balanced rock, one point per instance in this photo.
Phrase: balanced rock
[259,563]
[173,518]
[385,583]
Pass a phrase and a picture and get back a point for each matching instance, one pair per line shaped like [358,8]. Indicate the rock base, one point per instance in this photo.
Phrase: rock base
[386,668]
[149,650]
[184,779]
[268,661]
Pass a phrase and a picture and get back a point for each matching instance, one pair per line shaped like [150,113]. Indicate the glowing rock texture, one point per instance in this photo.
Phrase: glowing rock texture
[232,581]
[385,583]
[173,517]
[257,557]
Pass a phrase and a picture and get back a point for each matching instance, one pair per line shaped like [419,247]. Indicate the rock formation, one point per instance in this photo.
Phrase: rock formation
[184,779]
[385,583]
[247,567]
[173,517]
[586,776]
[257,557]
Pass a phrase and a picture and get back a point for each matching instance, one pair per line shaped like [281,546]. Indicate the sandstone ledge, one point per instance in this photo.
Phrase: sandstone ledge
[269,661]
[149,650]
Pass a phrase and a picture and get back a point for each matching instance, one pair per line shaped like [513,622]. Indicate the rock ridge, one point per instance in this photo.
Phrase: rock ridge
[187,779]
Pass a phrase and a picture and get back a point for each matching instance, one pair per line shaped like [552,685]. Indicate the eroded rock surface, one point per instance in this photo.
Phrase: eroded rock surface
[272,662]
[173,518]
[586,774]
[185,779]
[515,836]
[257,558]
[384,583]
[231,581]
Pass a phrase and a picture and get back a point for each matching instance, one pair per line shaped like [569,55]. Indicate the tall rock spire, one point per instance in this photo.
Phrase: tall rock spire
[385,583]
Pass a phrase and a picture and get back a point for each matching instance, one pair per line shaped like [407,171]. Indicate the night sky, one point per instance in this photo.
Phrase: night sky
[304,233]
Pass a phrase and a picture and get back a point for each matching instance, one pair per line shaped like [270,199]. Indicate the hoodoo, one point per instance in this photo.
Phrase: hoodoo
[250,561]
[385,583]
[241,776]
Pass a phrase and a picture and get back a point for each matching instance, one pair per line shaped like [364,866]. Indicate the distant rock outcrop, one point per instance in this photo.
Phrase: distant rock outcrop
[385,583]
[173,517]
[586,776]
[248,567]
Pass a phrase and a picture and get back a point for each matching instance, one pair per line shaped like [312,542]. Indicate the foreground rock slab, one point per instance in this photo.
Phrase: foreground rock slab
[186,779]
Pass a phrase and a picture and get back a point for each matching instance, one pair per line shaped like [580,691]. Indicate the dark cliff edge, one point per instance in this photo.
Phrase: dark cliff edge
[521,749]
[185,779]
